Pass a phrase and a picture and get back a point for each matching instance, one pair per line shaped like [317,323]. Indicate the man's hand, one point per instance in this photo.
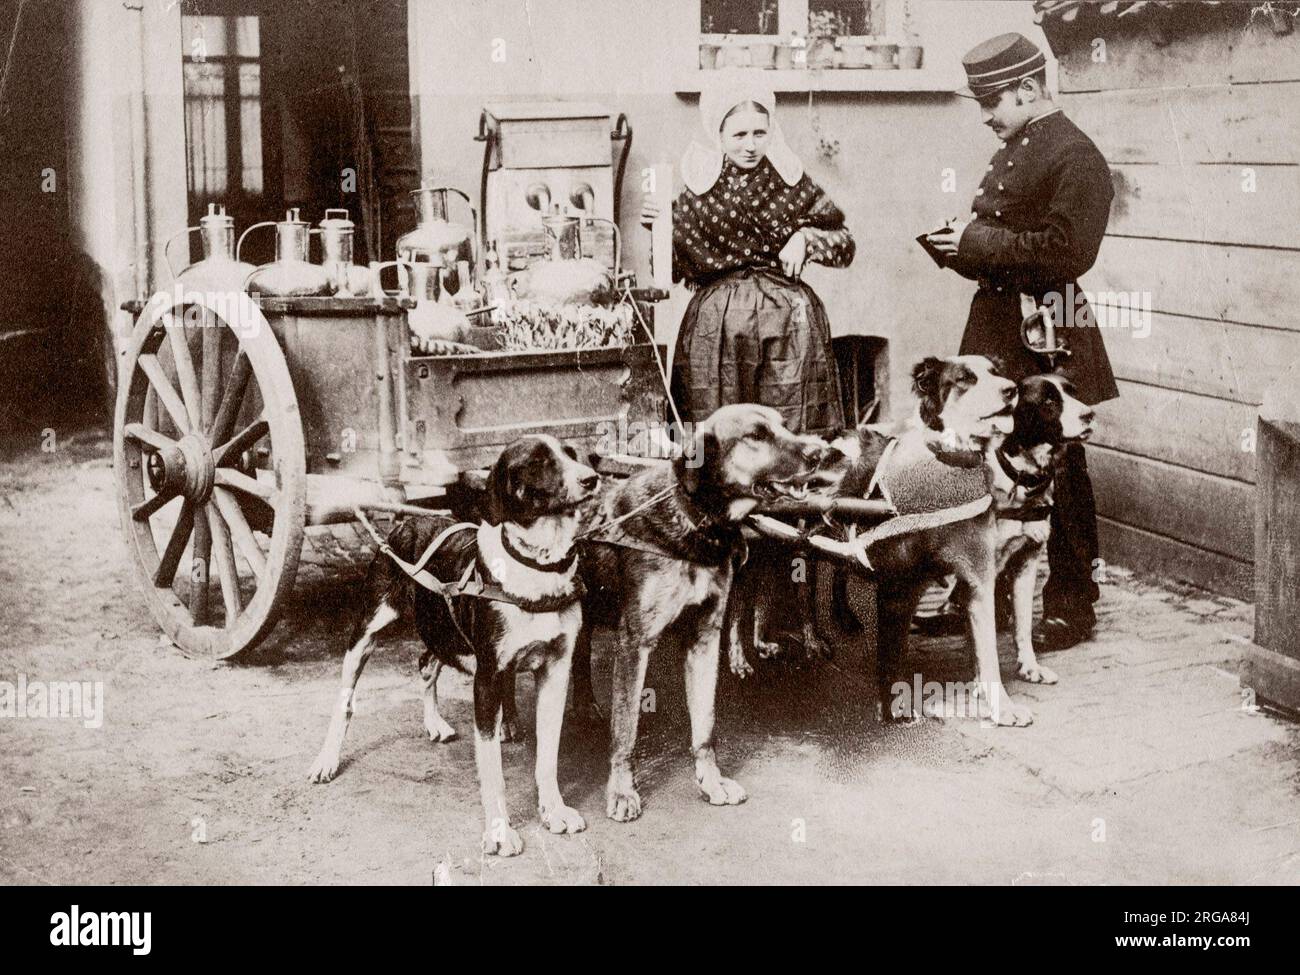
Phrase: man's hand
[945,241]
[649,211]
[794,255]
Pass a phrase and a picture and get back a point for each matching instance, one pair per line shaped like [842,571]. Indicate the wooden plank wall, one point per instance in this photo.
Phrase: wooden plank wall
[1189,126]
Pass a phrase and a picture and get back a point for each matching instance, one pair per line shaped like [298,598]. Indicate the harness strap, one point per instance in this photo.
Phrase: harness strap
[1026,512]
[877,475]
[466,586]
[606,525]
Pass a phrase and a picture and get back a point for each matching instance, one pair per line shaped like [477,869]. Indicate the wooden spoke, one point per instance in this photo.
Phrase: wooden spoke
[240,531]
[229,452]
[184,362]
[224,556]
[147,508]
[164,391]
[201,397]
[145,437]
[200,564]
[232,397]
[171,557]
[230,478]
[211,370]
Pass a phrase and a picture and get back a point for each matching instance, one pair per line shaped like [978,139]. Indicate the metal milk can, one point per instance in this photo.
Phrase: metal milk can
[218,270]
[290,274]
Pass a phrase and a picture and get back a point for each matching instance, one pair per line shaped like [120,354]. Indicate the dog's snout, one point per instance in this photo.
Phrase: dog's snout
[813,453]
[589,481]
[1088,416]
[1009,393]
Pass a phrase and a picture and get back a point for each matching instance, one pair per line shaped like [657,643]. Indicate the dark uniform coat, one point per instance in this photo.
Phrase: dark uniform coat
[1039,217]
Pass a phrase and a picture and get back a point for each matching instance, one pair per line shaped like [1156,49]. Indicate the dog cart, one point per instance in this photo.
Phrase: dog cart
[233,433]
[255,402]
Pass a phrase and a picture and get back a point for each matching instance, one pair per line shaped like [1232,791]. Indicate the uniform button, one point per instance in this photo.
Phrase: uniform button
[980,191]
[999,289]
[1025,141]
[974,215]
[990,167]
[997,213]
[1010,163]
[1000,186]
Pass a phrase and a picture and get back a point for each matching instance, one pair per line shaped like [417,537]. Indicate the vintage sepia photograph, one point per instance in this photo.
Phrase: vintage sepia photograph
[681,443]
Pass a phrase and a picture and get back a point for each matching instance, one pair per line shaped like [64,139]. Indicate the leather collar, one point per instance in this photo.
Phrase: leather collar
[1032,483]
[515,553]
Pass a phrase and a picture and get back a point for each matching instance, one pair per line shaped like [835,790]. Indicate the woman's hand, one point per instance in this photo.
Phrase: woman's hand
[794,255]
[649,210]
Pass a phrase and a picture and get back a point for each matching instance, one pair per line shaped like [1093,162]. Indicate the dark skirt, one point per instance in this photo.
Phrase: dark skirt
[755,336]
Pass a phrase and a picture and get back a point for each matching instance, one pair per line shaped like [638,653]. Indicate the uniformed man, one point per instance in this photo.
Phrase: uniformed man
[1037,222]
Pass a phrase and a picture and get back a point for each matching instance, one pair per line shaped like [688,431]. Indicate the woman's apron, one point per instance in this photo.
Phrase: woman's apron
[755,336]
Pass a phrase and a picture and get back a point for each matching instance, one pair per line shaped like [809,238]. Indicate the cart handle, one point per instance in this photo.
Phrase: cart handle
[618,242]
[167,247]
[405,271]
[239,244]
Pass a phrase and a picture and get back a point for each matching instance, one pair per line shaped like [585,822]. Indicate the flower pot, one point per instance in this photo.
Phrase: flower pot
[853,54]
[909,55]
[708,56]
[733,56]
[884,57]
[784,57]
[821,53]
[762,55]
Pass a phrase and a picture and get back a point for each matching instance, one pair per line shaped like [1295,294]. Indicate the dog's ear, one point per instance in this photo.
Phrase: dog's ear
[497,494]
[502,494]
[925,385]
[689,467]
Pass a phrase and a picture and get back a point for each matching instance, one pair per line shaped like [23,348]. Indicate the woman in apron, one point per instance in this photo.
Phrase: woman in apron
[744,227]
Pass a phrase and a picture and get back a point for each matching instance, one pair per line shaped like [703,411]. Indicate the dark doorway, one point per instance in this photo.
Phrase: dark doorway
[52,322]
[301,105]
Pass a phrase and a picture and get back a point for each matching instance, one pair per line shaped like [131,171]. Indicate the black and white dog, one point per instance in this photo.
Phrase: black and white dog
[525,550]
[1048,418]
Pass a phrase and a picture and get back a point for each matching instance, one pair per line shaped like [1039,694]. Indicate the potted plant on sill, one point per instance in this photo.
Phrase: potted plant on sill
[822,28]
[762,53]
[910,52]
[853,52]
[734,54]
[884,54]
[708,47]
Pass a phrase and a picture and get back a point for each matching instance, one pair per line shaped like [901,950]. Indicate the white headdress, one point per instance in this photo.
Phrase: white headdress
[702,164]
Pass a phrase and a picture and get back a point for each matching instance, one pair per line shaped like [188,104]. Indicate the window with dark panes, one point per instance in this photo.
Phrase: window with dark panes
[738,16]
[223,110]
[850,17]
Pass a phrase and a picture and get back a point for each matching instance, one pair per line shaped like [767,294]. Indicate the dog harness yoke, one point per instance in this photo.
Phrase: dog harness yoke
[471,582]
[925,491]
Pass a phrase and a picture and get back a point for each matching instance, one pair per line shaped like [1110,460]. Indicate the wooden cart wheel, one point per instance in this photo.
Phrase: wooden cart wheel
[210,469]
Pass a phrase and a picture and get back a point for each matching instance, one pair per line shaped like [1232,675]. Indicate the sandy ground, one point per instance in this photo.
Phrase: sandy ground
[198,773]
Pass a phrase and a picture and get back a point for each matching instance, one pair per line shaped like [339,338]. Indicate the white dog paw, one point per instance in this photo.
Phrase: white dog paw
[1036,673]
[720,791]
[1007,714]
[324,768]
[562,819]
[741,667]
[502,840]
[439,730]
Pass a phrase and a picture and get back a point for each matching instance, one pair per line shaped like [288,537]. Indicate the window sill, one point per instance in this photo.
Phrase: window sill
[829,79]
